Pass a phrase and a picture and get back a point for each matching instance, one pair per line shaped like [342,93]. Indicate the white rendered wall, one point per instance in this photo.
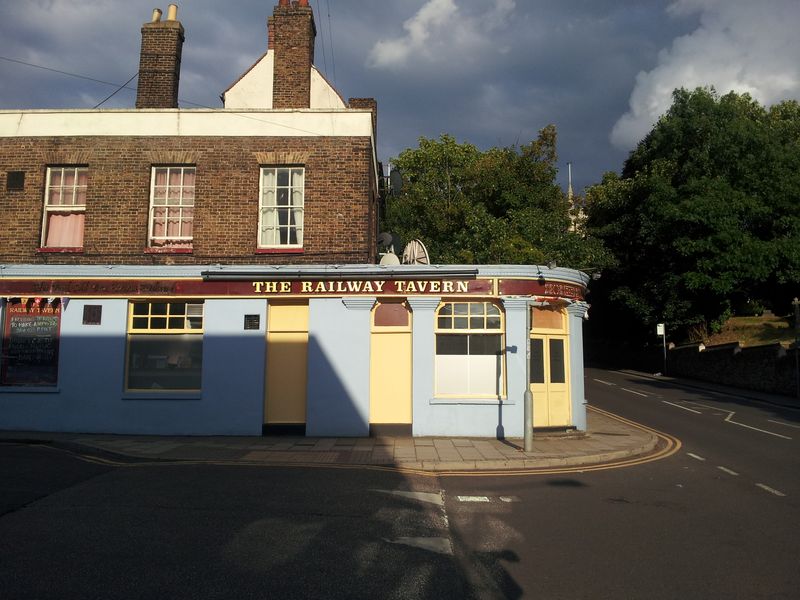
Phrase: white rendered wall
[254,89]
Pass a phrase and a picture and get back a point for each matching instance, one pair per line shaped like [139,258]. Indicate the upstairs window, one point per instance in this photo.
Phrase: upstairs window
[64,207]
[171,207]
[280,218]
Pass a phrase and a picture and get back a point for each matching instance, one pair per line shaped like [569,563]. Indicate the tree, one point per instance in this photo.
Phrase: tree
[497,206]
[705,213]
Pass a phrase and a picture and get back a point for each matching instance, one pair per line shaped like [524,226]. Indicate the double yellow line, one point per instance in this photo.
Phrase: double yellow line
[667,446]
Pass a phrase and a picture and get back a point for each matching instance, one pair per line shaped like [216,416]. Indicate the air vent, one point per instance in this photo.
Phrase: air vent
[15,181]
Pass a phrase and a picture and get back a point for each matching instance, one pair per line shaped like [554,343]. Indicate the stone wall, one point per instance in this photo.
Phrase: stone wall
[769,368]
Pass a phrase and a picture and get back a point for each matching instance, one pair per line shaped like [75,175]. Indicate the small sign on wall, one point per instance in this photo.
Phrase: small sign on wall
[252,322]
[660,329]
[92,314]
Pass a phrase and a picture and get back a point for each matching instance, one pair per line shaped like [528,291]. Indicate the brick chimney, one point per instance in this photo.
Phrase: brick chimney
[291,35]
[160,61]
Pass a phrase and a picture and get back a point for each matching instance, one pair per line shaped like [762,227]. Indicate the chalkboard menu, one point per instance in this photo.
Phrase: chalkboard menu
[30,344]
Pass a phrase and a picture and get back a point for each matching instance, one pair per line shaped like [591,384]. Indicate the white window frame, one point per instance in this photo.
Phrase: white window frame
[269,209]
[464,367]
[183,204]
[71,192]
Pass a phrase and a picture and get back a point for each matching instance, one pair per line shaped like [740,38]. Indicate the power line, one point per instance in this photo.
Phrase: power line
[126,86]
[330,37]
[322,35]
[114,93]
[27,64]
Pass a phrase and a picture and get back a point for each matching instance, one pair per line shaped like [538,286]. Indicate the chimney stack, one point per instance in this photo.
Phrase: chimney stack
[160,61]
[291,36]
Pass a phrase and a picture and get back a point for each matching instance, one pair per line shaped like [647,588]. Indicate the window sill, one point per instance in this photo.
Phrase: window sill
[490,401]
[53,250]
[168,250]
[162,395]
[280,250]
[29,389]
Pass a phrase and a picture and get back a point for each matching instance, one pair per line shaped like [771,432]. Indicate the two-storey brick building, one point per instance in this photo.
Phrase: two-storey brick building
[212,271]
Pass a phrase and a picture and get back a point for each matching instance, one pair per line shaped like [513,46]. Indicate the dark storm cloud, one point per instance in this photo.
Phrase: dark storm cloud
[492,72]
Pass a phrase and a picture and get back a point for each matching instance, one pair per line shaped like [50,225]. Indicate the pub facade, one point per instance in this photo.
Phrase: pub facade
[326,350]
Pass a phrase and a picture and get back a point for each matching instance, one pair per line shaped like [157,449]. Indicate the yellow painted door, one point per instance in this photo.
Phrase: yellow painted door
[550,381]
[287,364]
[390,378]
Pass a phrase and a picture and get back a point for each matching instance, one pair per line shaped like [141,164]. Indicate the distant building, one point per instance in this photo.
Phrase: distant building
[212,271]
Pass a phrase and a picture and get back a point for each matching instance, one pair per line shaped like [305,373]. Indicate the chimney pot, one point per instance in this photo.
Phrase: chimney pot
[156,15]
[172,12]
[302,2]
[283,2]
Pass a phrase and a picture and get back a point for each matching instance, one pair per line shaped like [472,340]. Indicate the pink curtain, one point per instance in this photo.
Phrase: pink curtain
[65,230]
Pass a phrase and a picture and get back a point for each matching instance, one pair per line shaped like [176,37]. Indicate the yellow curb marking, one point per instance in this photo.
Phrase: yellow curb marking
[671,446]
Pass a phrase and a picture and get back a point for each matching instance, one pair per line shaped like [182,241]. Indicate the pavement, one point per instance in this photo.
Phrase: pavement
[608,439]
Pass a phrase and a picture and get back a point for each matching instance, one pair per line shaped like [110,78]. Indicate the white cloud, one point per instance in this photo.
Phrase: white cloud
[439,30]
[740,46]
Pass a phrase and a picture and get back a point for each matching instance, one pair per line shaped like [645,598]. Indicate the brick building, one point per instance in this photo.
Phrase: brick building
[212,271]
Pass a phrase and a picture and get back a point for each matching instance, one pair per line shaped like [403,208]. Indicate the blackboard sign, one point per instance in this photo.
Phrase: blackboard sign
[30,344]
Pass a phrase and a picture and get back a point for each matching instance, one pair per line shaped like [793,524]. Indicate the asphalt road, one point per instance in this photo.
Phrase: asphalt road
[719,519]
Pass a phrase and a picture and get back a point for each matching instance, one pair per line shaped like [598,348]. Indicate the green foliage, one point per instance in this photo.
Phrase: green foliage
[706,211]
[501,206]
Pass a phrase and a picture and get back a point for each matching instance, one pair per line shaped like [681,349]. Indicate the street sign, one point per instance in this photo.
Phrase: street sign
[660,329]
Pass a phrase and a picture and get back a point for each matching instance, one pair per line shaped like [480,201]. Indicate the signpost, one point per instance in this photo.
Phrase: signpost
[528,396]
[662,331]
[796,304]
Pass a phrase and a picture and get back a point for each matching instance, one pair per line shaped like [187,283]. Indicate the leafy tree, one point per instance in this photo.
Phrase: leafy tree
[501,205]
[705,213]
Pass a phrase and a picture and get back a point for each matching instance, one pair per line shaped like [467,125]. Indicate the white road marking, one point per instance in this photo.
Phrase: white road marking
[785,424]
[697,412]
[766,488]
[510,499]
[694,456]
[439,545]
[635,392]
[472,498]
[604,382]
[728,471]
[729,419]
[420,496]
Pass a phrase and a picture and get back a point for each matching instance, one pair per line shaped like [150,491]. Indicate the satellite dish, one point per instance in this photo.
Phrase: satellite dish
[415,253]
[390,258]
[385,239]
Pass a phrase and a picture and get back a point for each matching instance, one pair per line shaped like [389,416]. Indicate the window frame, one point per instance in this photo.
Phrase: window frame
[263,208]
[49,209]
[135,330]
[441,328]
[168,242]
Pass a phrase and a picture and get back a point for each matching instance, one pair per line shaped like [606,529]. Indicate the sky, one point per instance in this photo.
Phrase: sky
[489,72]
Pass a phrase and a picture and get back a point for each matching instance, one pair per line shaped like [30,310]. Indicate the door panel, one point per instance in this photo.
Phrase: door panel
[550,381]
[287,364]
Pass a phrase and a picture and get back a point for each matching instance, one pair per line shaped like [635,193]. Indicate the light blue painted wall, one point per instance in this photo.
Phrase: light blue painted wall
[338,366]
[469,417]
[90,395]
[234,361]
[90,377]
[577,314]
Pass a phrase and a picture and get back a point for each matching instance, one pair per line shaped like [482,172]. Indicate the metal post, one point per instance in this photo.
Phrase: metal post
[796,304]
[528,397]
